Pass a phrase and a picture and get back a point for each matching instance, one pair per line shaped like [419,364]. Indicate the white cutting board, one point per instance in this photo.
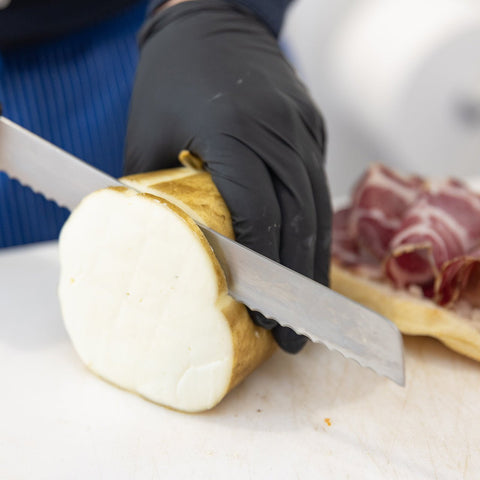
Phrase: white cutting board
[315,415]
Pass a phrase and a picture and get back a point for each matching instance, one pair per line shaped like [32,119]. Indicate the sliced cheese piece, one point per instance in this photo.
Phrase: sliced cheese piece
[145,301]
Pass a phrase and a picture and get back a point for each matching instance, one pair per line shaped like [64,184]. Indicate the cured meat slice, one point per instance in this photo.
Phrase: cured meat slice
[442,224]
[346,250]
[379,202]
[460,280]
[429,281]
[414,233]
[344,245]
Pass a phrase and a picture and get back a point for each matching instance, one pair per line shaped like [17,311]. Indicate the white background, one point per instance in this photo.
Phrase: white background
[391,78]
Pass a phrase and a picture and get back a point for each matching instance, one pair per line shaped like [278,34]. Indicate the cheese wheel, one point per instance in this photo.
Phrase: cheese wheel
[412,315]
[144,299]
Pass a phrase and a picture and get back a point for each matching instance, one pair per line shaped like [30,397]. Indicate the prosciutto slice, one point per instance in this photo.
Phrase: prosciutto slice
[345,247]
[413,232]
[379,201]
[460,280]
[443,223]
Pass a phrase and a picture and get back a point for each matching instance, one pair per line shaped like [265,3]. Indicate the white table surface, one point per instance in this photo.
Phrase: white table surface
[315,415]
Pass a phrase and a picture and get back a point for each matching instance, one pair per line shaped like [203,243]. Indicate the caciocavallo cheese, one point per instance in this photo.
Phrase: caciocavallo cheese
[144,299]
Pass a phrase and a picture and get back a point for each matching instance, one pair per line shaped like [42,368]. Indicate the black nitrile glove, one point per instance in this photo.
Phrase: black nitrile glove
[212,80]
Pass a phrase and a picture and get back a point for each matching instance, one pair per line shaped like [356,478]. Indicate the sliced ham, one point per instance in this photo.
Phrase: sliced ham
[459,279]
[414,233]
[443,223]
[379,201]
[345,247]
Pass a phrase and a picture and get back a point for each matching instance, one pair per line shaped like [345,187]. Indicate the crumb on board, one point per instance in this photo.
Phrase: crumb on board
[328,421]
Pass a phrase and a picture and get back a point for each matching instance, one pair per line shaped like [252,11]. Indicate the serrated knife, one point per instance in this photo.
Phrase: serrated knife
[284,295]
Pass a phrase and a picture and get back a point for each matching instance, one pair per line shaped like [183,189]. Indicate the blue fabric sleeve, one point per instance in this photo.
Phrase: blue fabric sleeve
[75,93]
[271,12]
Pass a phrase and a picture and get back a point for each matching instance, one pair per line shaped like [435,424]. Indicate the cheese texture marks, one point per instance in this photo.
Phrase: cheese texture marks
[144,299]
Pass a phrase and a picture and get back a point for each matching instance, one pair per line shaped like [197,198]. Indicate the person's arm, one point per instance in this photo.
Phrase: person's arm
[212,79]
[271,12]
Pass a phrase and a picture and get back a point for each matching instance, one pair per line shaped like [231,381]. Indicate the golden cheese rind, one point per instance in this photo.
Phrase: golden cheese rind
[191,190]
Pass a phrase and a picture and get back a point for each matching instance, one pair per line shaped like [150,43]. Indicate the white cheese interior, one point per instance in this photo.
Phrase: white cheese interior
[139,297]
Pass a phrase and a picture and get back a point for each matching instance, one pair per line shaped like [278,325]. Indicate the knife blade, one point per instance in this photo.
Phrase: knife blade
[282,294]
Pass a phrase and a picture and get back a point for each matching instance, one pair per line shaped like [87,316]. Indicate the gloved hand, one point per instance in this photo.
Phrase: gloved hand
[212,80]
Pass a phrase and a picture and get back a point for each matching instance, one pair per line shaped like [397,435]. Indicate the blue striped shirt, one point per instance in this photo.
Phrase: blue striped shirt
[75,93]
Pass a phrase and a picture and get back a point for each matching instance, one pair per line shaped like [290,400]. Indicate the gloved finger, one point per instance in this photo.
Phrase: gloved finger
[315,166]
[261,320]
[301,142]
[286,338]
[246,186]
[324,222]
[293,189]
[290,341]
